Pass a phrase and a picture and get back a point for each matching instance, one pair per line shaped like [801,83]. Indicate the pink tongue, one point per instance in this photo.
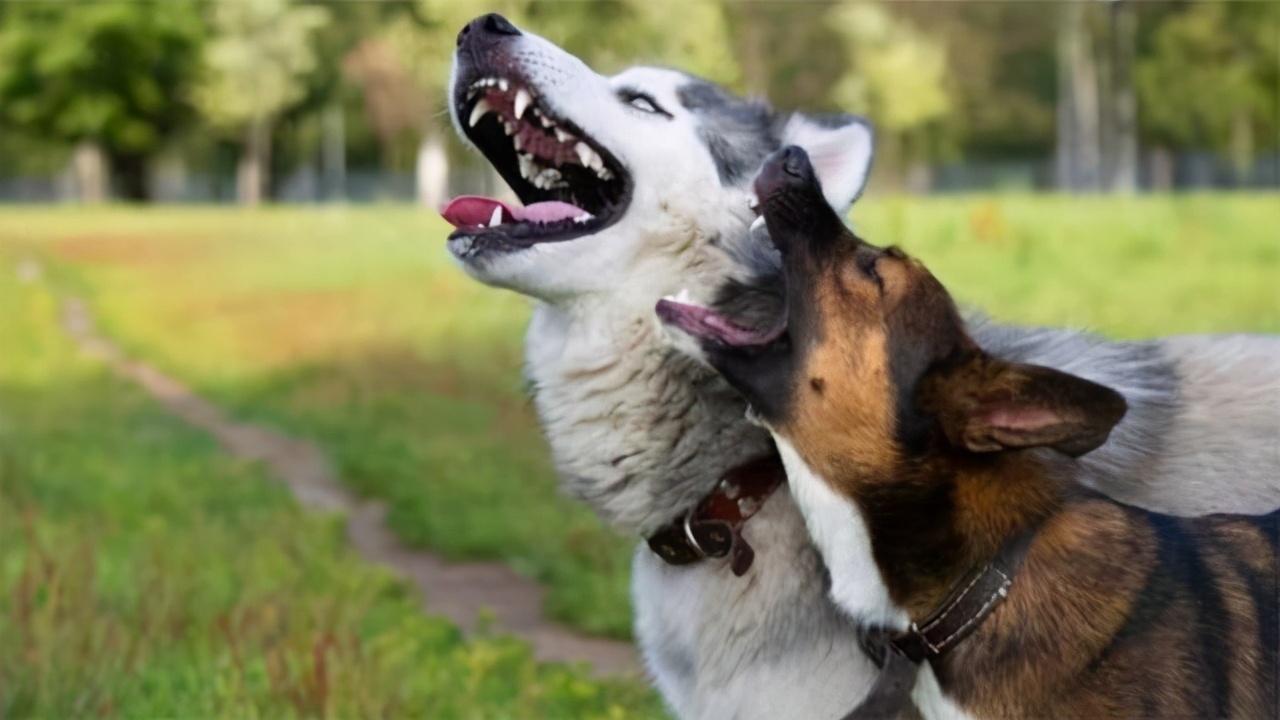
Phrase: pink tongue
[476,211]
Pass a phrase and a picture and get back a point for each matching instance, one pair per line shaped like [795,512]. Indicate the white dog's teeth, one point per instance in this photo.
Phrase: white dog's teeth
[604,173]
[684,296]
[508,128]
[584,217]
[502,84]
[586,155]
[496,218]
[523,98]
[757,224]
[479,111]
[526,166]
[563,136]
[517,143]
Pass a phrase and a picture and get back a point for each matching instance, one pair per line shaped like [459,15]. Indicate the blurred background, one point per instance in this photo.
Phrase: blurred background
[253,100]
[224,212]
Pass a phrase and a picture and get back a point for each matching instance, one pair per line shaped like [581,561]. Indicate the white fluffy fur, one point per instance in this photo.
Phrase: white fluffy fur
[837,528]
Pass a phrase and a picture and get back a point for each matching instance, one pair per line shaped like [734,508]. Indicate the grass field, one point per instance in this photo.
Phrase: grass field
[351,327]
[144,574]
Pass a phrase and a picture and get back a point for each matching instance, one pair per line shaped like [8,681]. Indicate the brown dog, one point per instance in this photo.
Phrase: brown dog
[940,484]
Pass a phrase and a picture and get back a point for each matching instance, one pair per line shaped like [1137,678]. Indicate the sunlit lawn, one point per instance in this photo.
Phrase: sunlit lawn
[145,574]
[351,326]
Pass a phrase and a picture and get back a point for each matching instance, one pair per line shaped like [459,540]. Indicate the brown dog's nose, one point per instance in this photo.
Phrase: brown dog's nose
[486,25]
[796,162]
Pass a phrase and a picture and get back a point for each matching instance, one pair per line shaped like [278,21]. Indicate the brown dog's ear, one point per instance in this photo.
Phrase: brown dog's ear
[988,405]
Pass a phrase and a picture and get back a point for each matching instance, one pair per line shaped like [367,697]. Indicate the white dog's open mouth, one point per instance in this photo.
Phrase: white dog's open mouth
[569,185]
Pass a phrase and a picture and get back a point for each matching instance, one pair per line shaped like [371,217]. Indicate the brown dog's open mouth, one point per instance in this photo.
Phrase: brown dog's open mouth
[569,185]
[709,326]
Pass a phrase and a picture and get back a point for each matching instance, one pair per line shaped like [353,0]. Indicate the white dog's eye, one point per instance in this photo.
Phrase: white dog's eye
[640,102]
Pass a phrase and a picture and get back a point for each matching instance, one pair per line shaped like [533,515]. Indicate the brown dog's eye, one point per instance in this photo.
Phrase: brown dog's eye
[867,264]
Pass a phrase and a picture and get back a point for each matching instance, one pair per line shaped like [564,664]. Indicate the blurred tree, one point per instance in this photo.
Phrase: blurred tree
[789,52]
[1078,156]
[897,75]
[111,78]
[1000,76]
[1211,79]
[1120,108]
[257,62]
[395,105]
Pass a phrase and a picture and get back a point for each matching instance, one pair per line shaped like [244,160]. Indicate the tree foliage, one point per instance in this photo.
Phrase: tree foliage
[257,60]
[1210,79]
[115,74]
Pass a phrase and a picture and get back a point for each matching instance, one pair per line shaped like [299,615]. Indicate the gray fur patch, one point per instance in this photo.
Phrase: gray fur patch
[739,133]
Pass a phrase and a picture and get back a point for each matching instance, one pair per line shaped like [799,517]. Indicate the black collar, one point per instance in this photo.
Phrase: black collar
[899,654]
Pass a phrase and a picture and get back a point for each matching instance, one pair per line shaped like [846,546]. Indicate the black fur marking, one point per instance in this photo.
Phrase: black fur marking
[738,133]
[1215,657]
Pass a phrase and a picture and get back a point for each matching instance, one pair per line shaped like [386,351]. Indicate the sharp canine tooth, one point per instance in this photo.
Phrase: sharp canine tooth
[496,219]
[757,224]
[478,112]
[522,102]
[502,84]
[584,153]
[563,136]
[546,121]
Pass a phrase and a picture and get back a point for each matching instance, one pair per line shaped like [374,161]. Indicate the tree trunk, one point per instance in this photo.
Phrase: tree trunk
[89,170]
[1122,115]
[333,159]
[130,172]
[1079,153]
[755,71]
[1241,146]
[1162,169]
[255,163]
[432,172]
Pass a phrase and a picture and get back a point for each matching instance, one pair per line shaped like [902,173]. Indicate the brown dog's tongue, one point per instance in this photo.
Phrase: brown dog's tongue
[477,211]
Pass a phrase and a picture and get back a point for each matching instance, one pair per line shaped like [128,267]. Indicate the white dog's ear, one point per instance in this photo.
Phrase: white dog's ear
[840,148]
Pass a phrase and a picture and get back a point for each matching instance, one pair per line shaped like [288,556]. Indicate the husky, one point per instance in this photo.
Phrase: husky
[943,488]
[638,186]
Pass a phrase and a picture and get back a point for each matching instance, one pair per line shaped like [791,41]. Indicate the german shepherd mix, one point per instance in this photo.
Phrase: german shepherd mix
[927,467]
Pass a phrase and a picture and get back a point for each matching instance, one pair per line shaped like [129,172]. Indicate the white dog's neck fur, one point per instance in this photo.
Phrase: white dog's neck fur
[612,447]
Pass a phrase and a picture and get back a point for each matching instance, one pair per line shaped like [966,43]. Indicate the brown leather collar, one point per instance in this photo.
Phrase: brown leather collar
[713,527]
[899,654]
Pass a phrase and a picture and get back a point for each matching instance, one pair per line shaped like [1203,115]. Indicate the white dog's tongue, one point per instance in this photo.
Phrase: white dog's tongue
[476,211]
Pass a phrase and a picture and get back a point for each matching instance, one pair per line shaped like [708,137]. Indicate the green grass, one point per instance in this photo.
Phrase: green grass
[351,326]
[143,573]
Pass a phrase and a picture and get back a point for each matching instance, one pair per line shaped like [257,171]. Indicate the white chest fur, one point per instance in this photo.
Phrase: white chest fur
[838,529]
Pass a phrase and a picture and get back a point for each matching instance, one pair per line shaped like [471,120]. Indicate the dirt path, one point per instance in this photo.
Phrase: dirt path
[458,591]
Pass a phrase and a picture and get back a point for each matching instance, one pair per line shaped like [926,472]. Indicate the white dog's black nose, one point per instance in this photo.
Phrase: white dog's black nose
[486,25]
